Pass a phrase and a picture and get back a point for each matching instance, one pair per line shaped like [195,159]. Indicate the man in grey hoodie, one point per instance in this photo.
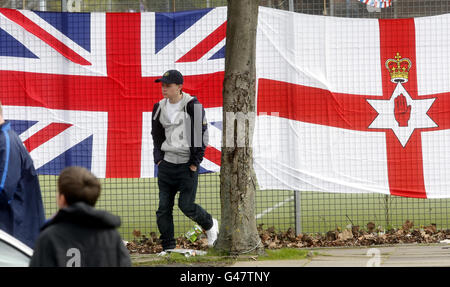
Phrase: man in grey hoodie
[180,137]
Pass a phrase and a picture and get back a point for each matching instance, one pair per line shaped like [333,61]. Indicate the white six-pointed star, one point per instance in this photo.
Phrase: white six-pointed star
[386,118]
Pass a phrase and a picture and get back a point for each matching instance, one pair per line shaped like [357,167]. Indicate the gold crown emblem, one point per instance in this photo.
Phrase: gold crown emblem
[398,68]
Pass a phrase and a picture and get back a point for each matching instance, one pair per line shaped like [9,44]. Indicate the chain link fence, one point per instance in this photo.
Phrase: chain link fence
[136,200]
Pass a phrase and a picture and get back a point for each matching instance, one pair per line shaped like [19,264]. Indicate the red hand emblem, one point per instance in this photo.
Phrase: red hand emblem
[402,111]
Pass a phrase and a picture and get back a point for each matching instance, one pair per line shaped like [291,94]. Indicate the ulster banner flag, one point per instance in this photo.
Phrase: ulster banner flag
[353,105]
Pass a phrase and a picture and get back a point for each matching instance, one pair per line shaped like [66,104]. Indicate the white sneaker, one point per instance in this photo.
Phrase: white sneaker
[212,233]
[161,254]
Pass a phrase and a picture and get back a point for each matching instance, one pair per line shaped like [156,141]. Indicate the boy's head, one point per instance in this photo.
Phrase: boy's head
[77,184]
[171,84]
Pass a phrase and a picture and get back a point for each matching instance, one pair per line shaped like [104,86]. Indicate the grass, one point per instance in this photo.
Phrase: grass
[179,259]
[136,200]
[286,254]
[212,258]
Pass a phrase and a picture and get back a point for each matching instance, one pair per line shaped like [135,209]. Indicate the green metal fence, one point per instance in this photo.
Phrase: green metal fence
[136,200]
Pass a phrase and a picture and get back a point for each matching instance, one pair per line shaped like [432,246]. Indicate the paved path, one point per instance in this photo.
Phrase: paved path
[410,255]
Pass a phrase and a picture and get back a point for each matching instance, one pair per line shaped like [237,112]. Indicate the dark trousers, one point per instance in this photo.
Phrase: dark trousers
[171,179]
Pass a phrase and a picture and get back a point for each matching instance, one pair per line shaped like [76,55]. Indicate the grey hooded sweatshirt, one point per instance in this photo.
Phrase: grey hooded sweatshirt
[185,139]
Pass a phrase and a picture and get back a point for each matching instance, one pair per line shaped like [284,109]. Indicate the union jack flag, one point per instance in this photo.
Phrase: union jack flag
[79,87]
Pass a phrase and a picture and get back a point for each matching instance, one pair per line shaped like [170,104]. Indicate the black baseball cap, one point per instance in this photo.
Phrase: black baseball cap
[171,77]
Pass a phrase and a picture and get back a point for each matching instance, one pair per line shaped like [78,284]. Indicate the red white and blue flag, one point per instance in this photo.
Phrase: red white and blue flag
[344,105]
[378,3]
[79,87]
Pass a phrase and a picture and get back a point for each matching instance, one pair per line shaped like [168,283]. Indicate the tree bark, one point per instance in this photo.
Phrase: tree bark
[238,233]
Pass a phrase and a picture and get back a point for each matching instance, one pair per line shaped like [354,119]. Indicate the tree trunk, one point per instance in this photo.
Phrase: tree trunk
[238,232]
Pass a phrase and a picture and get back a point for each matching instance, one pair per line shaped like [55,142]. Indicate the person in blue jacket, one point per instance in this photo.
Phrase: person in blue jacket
[21,207]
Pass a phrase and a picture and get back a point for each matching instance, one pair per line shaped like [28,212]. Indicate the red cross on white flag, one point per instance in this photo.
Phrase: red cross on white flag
[363,105]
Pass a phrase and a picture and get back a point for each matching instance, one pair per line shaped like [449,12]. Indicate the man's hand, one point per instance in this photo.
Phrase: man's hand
[159,162]
[402,111]
[193,167]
